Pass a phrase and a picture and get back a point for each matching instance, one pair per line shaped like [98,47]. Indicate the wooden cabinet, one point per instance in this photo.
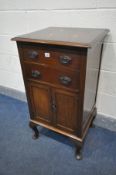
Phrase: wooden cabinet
[61,68]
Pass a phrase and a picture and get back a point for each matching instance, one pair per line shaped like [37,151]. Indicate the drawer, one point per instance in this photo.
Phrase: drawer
[63,58]
[69,79]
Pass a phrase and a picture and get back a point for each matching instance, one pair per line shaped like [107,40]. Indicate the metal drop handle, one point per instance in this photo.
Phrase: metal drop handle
[65,80]
[35,74]
[33,54]
[65,59]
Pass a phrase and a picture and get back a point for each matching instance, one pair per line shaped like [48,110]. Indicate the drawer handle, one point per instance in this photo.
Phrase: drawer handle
[33,54]
[65,60]
[35,74]
[65,80]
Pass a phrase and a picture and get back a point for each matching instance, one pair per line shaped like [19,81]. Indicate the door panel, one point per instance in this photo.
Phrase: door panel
[40,98]
[67,105]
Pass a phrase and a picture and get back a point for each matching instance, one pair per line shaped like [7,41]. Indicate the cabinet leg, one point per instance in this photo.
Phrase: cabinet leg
[94,115]
[79,151]
[33,126]
[92,124]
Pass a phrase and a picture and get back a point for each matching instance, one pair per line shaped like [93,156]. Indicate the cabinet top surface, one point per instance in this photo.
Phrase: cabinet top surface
[78,37]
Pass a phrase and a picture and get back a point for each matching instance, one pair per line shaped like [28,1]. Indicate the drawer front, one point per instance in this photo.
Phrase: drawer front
[69,79]
[51,56]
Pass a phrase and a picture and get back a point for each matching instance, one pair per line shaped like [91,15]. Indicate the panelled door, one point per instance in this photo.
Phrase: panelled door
[40,100]
[67,105]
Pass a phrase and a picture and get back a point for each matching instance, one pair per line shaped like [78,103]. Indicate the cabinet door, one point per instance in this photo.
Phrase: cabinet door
[40,101]
[67,105]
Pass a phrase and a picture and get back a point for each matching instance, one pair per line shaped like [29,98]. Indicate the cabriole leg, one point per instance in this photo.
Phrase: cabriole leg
[33,126]
[79,151]
[94,115]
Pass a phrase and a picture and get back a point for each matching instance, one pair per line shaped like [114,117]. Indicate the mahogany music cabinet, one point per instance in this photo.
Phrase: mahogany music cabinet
[61,68]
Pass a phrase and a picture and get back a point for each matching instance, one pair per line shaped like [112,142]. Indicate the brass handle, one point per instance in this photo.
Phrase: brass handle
[33,54]
[35,74]
[65,80]
[65,60]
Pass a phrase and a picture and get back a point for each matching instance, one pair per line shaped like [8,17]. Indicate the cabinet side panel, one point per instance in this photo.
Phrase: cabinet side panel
[91,81]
